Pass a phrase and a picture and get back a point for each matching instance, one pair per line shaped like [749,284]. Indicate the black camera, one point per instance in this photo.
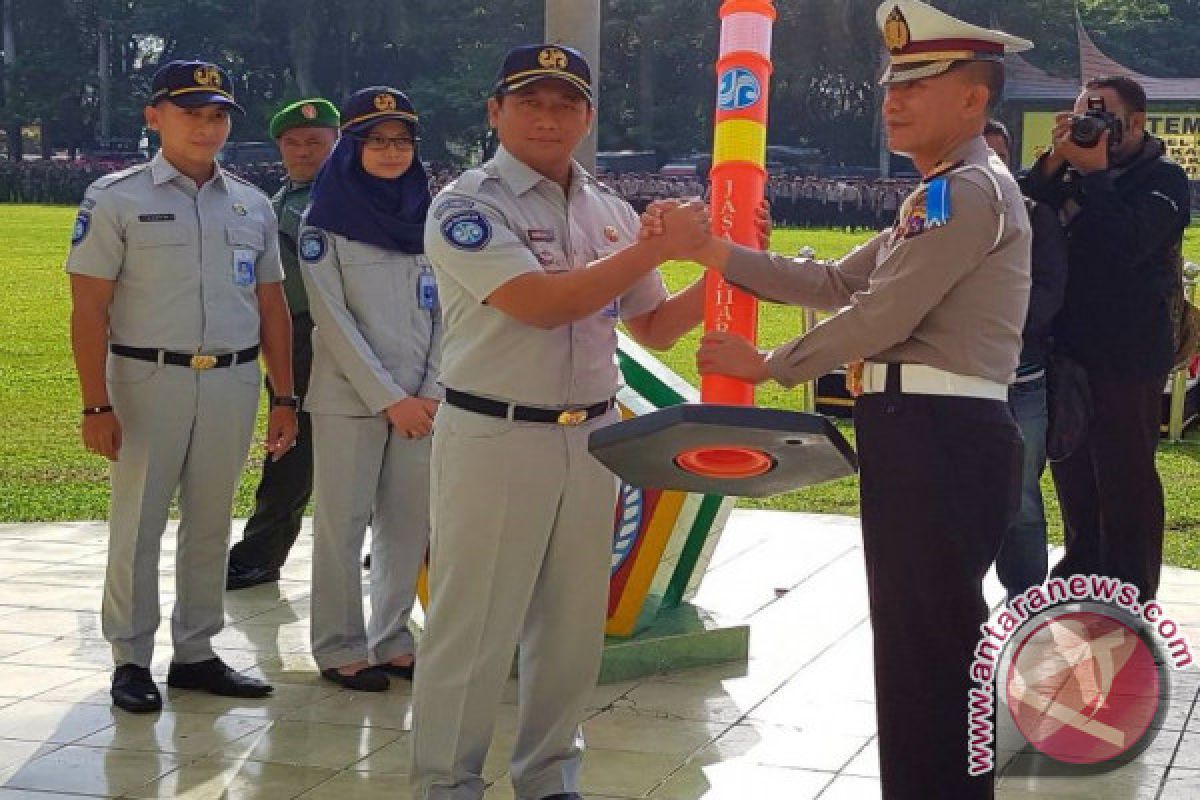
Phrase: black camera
[1087,128]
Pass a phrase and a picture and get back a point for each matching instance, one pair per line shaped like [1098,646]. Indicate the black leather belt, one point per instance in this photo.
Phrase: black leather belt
[551,416]
[193,360]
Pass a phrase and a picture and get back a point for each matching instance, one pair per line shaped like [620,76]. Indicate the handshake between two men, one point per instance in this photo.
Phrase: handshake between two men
[688,222]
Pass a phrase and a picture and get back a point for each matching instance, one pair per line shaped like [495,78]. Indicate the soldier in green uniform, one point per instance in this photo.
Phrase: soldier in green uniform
[306,132]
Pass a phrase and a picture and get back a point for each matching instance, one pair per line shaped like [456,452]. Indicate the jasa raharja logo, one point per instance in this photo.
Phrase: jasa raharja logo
[738,89]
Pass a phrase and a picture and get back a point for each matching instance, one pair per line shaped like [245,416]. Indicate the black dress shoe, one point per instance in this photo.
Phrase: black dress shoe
[367,679]
[133,689]
[216,677]
[564,796]
[239,577]
[367,561]
[405,673]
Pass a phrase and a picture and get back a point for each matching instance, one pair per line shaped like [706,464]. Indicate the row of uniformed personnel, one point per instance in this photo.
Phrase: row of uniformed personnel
[175,266]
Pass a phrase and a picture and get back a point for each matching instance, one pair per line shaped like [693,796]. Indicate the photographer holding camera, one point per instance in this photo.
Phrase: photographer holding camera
[1124,207]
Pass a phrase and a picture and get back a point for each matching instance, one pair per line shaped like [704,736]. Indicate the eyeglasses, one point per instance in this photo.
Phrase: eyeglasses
[380,143]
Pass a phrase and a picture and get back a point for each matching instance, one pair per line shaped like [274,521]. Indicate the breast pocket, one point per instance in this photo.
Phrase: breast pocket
[145,235]
[366,276]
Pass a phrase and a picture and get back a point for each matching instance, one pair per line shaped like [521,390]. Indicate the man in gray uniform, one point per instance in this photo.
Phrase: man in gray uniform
[175,281]
[536,262]
[935,307]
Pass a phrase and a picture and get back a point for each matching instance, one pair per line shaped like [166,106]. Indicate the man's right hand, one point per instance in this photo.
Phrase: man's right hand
[412,417]
[102,434]
[686,229]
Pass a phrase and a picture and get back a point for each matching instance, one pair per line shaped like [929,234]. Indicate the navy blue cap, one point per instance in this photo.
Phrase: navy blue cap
[535,62]
[193,83]
[368,107]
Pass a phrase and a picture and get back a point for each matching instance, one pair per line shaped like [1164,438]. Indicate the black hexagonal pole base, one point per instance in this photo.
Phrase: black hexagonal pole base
[737,451]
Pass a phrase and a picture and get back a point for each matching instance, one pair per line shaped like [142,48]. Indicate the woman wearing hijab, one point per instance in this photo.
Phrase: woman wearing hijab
[373,391]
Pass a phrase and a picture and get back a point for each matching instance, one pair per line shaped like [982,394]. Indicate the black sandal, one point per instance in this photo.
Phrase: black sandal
[367,679]
[404,673]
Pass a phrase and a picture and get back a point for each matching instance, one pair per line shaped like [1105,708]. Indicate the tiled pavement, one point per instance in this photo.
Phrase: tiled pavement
[798,722]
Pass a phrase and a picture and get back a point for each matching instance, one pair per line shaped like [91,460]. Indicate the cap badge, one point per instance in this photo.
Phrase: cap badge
[552,58]
[385,102]
[308,111]
[207,75]
[896,33]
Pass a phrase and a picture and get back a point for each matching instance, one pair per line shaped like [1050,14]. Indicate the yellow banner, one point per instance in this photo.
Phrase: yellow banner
[1179,129]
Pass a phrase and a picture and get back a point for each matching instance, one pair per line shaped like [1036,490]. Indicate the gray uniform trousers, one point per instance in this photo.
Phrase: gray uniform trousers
[521,554]
[181,430]
[366,474]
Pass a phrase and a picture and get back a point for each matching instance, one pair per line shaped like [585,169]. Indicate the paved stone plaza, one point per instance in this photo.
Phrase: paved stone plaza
[797,723]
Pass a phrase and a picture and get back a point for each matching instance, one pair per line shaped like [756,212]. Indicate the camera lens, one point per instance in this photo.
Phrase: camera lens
[1086,130]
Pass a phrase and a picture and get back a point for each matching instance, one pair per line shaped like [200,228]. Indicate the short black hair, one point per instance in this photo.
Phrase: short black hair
[995,127]
[1130,91]
[986,73]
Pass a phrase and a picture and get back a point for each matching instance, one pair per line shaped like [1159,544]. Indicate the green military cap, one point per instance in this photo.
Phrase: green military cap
[315,112]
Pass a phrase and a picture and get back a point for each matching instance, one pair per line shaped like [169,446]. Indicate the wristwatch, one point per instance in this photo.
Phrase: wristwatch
[288,400]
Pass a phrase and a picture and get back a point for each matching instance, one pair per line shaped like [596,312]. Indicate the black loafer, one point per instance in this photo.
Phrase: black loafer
[134,690]
[405,673]
[216,677]
[367,679]
[239,577]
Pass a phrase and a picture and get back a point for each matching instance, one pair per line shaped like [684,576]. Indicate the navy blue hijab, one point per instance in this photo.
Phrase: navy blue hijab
[350,202]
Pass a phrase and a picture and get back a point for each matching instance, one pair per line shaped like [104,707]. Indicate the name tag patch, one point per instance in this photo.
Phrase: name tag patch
[467,230]
[243,267]
[540,235]
[155,217]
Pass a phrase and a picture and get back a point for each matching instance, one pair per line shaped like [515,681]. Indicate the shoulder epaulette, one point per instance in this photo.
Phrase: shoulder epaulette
[244,182]
[106,181]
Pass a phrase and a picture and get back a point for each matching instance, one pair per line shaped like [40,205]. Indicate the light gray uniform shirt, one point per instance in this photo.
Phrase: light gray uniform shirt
[374,343]
[186,260]
[504,220]
[951,295]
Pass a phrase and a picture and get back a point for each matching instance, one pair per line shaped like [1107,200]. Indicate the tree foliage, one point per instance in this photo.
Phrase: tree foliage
[657,78]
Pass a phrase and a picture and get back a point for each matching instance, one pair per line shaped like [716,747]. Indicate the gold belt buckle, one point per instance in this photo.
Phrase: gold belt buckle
[202,362]
[573,417]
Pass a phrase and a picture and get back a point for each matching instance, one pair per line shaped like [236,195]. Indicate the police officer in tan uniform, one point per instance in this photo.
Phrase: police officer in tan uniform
[536,262]
[935,308]
[175,281]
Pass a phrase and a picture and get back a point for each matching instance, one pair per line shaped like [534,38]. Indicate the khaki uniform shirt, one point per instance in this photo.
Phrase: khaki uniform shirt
[504,220]
[186,260]
[951,296]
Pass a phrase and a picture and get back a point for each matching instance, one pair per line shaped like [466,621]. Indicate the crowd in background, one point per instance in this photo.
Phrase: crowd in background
[796,201]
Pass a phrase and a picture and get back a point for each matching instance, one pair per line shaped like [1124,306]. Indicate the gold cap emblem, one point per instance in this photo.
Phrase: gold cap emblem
[385,102]
[308,111]
[896,34]
[207,75]
[552,58]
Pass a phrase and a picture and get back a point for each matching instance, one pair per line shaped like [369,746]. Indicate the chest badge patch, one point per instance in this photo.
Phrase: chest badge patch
[611,234]
[467,230]
[239,209]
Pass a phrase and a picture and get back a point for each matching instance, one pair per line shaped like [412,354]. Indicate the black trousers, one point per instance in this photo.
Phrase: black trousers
[286,484]
[939,483]
[1109,489]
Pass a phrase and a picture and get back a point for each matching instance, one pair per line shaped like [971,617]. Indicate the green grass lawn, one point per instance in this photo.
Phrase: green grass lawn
[46,475]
